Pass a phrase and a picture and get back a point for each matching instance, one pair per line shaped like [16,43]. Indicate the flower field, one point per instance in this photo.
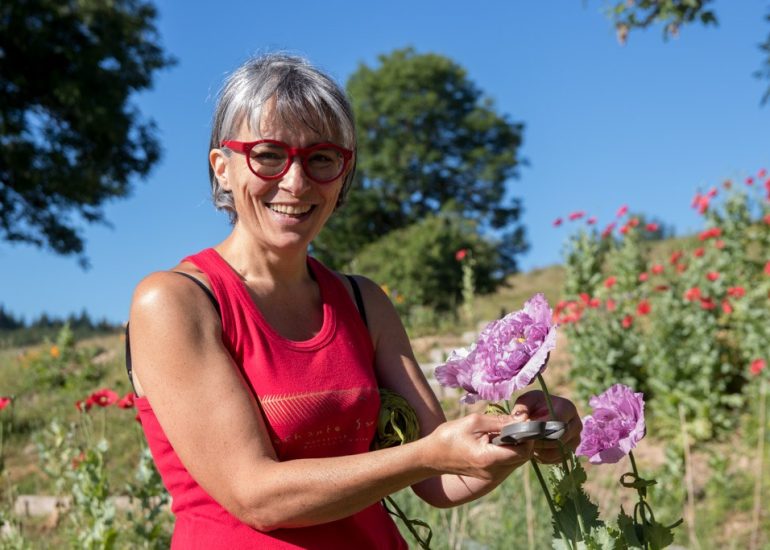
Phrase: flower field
[685,322]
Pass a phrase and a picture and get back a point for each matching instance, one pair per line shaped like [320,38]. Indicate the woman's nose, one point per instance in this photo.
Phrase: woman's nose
[295,181]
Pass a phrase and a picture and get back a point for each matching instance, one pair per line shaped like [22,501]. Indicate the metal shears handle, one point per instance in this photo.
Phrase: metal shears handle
[526,431]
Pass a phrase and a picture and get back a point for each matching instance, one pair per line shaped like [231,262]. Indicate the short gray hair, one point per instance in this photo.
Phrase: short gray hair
[303,96]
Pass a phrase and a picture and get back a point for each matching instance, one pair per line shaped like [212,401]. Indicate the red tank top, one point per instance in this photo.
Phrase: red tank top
[319,398]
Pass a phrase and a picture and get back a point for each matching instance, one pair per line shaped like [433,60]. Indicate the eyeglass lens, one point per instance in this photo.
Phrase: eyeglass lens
[270,159]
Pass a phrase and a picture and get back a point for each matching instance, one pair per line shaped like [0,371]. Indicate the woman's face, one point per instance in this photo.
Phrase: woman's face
[282,214]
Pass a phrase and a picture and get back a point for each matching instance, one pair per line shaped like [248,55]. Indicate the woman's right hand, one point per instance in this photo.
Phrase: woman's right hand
[464,447]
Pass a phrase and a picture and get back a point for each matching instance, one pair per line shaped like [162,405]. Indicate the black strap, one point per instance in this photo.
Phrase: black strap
[211,297]
[359,299]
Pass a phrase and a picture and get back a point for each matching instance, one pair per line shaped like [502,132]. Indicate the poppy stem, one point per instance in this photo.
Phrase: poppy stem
[554,514]
[568,465]
[642,491]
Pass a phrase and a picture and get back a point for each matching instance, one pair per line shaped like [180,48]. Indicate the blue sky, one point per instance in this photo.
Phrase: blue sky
[646,124]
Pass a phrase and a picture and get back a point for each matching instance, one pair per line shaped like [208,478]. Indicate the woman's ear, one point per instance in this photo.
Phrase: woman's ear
[218,161]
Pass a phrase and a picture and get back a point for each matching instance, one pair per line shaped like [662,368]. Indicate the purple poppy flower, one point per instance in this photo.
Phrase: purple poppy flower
[615,427]
[507,356]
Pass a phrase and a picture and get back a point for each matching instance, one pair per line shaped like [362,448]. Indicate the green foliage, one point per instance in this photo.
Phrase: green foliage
[428,137]
[64,155]
[682,329]
[417,264]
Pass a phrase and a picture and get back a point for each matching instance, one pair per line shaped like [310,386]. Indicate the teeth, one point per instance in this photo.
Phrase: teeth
[293,210]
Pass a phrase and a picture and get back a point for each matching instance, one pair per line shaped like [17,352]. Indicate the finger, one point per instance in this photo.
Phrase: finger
[534,404]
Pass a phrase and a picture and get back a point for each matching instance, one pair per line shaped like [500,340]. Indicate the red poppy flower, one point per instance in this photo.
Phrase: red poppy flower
[585,298]
[727,184]
[608,230]
[594,303]
[681,268]
[576,215]
[762,173]
[766,219]
[736,291]
[749,181]
[710,233]
[675,256]
[692,294]
[103,398]
[623,230]
[627,321]
[591,220]
[727,308]
[657,269]
[643,277]
[5,401]
[622,211]
[707,303]
[610,304]
[610,281]
[767,268]
[712,193]
[661,288]
[557,222]
[127,401]
[712,276]
[651,227]
[757,366]
[84,405]
[461,254]
[719,244]
[643,308]
[633,222]
[698,252]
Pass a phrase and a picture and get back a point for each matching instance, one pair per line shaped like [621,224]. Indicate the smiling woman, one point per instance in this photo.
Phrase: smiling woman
[256,371]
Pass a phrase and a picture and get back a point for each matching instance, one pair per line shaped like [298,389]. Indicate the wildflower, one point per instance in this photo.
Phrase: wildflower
[461,254]
[652,227]
[719,244]
[622,211]
[698,252]
[557,222]
[615,427]
[736,291]
[608,230]
[78,460]
[712,276]
[507,356]
[594,303]
[643,308]
[766,219]
[675,256]
[591,220]
[103,397]
[661,288]
[610,304]
[712,193]
[710,233]
[127,401]
[692,294]
[727,308]
[627,321]
[633,222]
[767,268]
[54,351]
[707,303]
[681,268]
[657,269]
[84,405]
[576,215]
[585,298]
[757,366]
[5,401]
[749,181]
[643,277]
[762,173]
[610,281]
[623,230]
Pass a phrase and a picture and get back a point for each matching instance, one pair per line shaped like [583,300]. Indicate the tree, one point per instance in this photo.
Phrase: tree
[70,138]
[673,14]
[428,137]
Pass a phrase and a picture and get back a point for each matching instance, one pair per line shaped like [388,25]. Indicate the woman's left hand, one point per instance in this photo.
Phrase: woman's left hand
[532,406]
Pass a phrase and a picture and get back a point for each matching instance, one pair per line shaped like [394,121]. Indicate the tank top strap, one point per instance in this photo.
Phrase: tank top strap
[220,278]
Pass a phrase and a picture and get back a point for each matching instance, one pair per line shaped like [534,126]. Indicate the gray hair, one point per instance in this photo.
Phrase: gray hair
[303,97]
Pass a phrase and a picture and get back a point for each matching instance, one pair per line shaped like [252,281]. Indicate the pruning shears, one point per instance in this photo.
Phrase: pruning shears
[517,432]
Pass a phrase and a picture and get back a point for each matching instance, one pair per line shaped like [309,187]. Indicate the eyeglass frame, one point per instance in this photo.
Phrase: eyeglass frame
[245,147]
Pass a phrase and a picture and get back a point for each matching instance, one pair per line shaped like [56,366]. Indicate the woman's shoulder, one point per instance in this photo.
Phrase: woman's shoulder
[171,290]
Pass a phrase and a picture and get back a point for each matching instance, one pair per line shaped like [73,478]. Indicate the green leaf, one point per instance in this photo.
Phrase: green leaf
[657,535]
[570,499]
[628,530]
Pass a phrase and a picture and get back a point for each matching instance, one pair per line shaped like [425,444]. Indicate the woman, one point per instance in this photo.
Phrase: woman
[259,390]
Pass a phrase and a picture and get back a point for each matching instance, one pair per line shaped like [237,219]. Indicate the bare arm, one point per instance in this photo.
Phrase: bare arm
[215,426]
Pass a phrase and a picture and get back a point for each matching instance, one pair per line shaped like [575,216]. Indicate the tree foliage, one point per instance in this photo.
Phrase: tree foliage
[673,14]
[70,138]
[428,137]
[418,264]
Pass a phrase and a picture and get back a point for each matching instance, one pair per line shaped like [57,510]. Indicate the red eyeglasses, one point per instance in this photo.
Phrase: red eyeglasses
[270,159]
